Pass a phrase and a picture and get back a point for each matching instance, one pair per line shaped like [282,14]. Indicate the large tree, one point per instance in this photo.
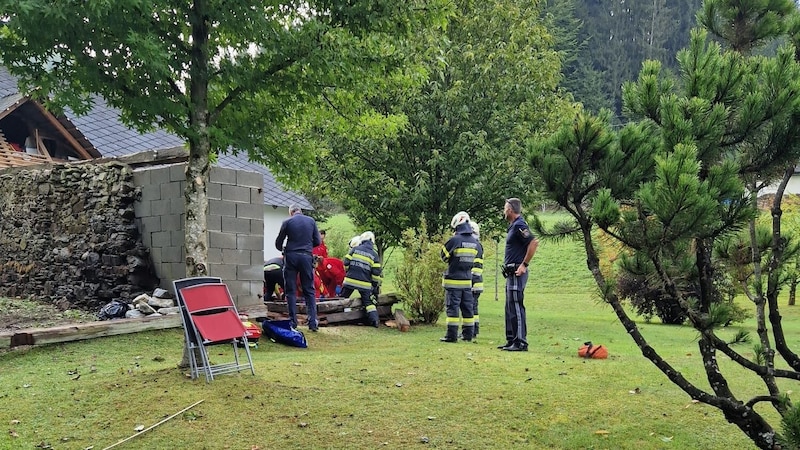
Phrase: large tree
[223,75]
[491,81]
[679,180]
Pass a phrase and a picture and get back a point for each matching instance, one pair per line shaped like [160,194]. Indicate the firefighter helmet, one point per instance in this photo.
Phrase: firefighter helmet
[459,218]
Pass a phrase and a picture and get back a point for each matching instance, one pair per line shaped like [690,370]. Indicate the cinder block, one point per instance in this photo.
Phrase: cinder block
[214,222]
[141,177]
[215,256]
[222,208]
[161,239]
[257,196]
[151,192]
[177,237]
[235,225]
[177,205]
[250,211]
[235,256]
[217,239]
[155,255]
[177,271]
[214,191]
[142,208]
[161,207]
[225,271]
[150,224]
[249,179]
[171,222]
[172,254]
[171,190]
[257,227]
[159,175]
[177,172]
[236,193]
[249,272]
[257,257]
[247,242]
[222,175]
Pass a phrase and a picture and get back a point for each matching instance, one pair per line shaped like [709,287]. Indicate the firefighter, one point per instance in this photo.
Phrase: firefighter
[477,281]
[331,271]
[363,274]
[460,253]
[273,276]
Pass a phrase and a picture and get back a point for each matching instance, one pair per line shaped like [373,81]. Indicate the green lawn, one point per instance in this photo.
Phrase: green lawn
[357,387]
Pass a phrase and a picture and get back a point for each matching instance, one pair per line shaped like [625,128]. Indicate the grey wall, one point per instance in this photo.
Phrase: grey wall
[235,226]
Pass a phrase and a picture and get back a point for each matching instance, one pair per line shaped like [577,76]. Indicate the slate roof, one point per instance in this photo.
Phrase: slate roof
[104,130]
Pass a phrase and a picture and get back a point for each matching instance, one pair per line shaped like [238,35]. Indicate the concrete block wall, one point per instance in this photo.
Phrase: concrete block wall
[235,226]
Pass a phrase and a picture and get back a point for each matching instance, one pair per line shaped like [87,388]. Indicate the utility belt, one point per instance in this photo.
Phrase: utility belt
[509,269]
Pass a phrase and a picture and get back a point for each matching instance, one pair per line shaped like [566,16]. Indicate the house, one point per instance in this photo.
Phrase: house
[100,133]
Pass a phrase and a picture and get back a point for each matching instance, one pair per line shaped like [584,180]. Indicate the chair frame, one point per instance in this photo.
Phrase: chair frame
[196,343]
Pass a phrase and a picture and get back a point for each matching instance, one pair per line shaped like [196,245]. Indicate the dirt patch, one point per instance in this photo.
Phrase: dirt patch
[17,314]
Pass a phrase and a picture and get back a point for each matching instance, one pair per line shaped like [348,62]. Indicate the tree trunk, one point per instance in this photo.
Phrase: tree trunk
[198,167]
[793,291]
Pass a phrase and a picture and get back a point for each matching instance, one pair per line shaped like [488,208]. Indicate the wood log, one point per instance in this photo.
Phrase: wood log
[332,305]
[77,332]
[352,316]
[400,318]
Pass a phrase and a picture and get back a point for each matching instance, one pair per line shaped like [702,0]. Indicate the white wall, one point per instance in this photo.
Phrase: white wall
[793,187]
[273,217]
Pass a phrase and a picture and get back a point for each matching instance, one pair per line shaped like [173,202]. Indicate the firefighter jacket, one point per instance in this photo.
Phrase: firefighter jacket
[460,253]
[363,267]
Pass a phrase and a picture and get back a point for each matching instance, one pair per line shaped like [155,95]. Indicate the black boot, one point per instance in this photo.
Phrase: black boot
[466,334]
[374,320]
[452,334]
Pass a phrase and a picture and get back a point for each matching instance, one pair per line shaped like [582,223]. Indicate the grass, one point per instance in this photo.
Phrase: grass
[357,387]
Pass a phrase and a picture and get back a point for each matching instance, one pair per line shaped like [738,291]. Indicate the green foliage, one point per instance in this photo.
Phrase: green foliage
[790,428]
[490,82]
[419,276]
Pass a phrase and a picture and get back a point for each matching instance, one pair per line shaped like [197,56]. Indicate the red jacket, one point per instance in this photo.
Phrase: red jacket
[319,287]
[331,271]
[320,250]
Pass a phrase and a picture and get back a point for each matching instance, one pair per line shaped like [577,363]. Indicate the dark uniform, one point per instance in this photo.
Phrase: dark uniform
[517,241]
[273,275]
[363,267]
[460,253]
[301,235]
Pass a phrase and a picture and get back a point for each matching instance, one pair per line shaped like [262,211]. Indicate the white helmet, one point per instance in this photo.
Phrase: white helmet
[355,241]
[459,218]
[367,236]
[476,229]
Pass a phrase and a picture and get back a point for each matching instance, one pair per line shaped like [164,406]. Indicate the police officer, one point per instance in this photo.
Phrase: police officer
[364,274]
[300,234]
[477,280]
[521,245]
[273,276]
[460,253]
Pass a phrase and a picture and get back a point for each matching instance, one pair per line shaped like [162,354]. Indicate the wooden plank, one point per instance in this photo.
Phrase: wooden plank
[332,305]
[400,318]
[356,315]
[77,332]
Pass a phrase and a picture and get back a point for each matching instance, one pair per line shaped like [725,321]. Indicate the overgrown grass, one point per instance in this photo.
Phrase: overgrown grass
[357,387]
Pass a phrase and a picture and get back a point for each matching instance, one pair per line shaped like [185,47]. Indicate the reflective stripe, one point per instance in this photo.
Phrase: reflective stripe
[468,321]
[357,283]
[456,284]
[371,308]
[461,251]
[366,259]
[445,254]
[270,267]
[453,321]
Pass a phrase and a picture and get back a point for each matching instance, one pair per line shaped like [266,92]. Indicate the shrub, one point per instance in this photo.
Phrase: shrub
[419,277]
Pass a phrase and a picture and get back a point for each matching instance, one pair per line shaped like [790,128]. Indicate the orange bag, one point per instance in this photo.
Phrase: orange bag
[590,351]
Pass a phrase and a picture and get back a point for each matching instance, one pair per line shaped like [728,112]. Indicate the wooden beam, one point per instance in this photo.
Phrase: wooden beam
[400,319]
[71,139]
[77,332]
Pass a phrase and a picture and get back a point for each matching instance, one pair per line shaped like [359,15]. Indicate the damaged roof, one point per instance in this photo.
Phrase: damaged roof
[102,133]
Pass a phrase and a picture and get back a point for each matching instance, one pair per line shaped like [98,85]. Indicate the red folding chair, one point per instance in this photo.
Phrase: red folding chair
[210,318]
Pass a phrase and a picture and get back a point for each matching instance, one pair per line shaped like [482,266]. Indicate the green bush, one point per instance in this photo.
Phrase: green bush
[419,277]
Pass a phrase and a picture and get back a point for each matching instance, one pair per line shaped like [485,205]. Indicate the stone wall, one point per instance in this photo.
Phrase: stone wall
[68,235]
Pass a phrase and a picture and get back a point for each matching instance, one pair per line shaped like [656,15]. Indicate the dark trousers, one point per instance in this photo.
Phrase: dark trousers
[272,278]
[516,326]
[370,309]
[459,301]
[295,263]
[475,296]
